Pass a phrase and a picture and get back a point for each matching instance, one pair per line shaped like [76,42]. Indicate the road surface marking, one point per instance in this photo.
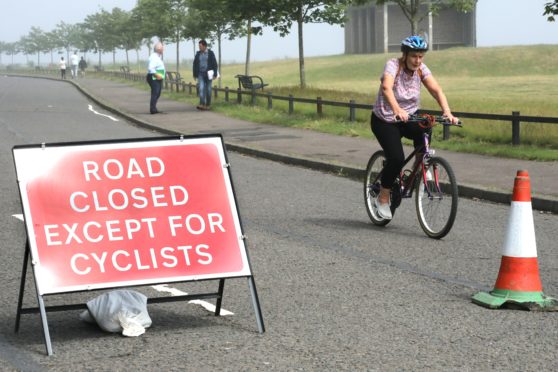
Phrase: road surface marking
[98,113]
[176,292]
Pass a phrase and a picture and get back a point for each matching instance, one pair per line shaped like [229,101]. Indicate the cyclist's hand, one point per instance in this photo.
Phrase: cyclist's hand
[401,115]
[451,119]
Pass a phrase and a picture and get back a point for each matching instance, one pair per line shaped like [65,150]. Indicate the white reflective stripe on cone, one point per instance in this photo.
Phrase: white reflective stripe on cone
[520,237]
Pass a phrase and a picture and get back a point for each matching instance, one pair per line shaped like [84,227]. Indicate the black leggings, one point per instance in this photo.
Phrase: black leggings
[389,136]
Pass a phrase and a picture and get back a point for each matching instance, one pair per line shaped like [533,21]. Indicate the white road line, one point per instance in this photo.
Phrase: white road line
[98,113]
[18,216]
[176,292]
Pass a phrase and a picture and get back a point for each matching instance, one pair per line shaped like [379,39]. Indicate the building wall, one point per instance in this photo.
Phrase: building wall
[365,30]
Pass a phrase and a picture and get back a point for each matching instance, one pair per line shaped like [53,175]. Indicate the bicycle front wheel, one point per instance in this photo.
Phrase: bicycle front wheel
[372,186]
[436,199]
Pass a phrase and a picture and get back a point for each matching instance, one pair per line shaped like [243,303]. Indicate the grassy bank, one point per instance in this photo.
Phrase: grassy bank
[482,80]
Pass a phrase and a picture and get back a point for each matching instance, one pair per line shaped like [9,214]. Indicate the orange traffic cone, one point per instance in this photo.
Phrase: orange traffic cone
[518,284]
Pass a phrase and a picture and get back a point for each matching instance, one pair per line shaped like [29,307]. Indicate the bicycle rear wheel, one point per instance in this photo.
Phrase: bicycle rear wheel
[436,199]
[372,186]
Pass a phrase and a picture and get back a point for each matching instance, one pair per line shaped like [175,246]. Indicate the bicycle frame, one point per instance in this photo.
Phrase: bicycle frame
[407,185]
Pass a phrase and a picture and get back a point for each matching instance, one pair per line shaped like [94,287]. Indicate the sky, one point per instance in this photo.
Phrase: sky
[499,23]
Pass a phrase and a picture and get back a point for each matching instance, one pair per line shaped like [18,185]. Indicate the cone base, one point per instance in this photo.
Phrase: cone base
[532,301]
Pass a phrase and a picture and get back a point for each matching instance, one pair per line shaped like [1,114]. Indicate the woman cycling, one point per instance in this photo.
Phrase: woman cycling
[399,97]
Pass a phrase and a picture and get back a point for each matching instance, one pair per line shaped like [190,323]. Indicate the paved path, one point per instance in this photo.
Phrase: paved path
[479,176]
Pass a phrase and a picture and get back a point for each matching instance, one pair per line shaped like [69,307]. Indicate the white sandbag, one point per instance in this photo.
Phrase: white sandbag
[119,311]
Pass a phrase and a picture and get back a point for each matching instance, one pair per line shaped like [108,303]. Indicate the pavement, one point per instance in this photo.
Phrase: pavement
[479,176]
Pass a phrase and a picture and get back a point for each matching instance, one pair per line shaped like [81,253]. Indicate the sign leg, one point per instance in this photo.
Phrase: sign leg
[45,324]
[220,298]
[256,304]
[22,285]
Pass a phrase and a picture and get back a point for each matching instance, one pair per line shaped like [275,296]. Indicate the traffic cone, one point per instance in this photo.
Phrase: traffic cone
[518,284]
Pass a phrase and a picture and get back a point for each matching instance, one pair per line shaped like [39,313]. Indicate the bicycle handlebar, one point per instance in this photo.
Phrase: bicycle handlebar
[431,120]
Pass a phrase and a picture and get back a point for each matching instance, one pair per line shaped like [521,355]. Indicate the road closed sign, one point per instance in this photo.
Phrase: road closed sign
[112,214]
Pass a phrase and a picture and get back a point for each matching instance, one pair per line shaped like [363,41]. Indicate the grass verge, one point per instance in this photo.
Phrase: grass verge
[474,79]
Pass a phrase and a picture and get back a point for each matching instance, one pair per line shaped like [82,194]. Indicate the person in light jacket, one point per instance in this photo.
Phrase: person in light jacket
[155,76]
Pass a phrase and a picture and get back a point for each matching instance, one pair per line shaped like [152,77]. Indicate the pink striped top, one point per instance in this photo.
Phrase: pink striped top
[406,89]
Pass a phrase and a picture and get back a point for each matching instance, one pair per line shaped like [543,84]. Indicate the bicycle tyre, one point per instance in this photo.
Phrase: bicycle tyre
[437,206]
[372,186]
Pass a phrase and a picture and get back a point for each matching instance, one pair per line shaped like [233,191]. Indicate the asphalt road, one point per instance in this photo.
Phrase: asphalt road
[337,293]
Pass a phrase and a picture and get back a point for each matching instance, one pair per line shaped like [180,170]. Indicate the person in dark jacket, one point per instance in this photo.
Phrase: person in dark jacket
[205,70]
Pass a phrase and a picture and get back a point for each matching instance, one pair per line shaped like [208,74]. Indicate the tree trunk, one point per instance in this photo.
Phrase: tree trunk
[219,35]
[414,26]
[148,44]
[99,58]
[114,57]
[248,44]
[178,51]
[127,59]
[301,50]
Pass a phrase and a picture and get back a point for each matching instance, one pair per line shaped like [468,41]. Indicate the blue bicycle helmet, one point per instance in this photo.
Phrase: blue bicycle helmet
[414,44]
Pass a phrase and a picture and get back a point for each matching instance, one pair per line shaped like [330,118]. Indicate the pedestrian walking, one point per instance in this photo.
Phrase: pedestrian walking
[82,65]
[74,61]
[62,65]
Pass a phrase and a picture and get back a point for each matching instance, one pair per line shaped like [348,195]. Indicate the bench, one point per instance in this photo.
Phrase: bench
[247,82]
[173,78]
[125,69]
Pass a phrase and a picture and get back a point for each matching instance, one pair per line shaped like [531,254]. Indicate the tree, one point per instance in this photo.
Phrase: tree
[51,44]
[2,50]
[415,12]
[196,24]
[551,9]
[65,34]
[125,30]
[162,18]
[97,28]
[84,39]
[286,12]
[35,42]
[12,49]
[244,13]
[210,19]
[26,47]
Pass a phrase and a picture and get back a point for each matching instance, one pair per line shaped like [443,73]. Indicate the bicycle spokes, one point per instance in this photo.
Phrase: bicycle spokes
[436,199]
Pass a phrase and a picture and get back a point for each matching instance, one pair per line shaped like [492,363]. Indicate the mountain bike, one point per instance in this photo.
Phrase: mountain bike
[431,179]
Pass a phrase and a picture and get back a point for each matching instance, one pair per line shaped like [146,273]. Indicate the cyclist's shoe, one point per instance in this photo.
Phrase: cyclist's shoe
[384,210]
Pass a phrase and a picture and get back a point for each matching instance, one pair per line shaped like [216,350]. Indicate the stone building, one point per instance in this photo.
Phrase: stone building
[380,28]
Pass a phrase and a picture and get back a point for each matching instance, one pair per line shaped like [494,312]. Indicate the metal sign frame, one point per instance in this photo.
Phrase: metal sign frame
[32,248]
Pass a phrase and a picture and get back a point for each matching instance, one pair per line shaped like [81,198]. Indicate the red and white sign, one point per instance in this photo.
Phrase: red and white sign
[102,215]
